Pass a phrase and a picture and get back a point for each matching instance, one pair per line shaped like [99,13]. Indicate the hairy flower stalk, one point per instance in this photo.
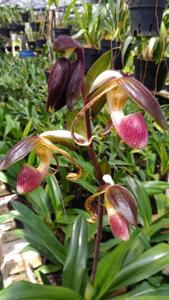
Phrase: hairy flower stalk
[29,177]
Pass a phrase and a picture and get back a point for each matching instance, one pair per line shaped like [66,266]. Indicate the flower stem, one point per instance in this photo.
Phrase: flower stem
[99,175]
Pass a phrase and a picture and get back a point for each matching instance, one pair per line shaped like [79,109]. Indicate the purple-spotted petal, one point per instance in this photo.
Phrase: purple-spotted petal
[144,98]
[132,130]
[64,42]
[28,179]
[57,83]
[73,89]
[19,151]
[123,202]
[119,226]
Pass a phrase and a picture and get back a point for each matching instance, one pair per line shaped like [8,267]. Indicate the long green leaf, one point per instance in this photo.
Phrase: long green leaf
[149,263]
[109,266]
[155,187]
[75,264]
[145,289]
[140,193]
[55,196]
[39,232]
[102,63]
[40,202]
[28,291]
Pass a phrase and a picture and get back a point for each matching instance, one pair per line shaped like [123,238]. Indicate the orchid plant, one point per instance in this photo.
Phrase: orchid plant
[66,82]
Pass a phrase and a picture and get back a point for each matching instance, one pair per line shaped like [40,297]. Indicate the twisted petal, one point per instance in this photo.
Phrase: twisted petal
[122,202]
[19,151]
[118,224]
[142,96]
[57,83]
[64,42]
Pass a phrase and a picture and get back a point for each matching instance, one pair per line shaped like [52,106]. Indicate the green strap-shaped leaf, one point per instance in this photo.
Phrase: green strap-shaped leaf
[109,266]
[149,263]
[54,192]
[75,264]
[145,289]
[28,291]
[40,232]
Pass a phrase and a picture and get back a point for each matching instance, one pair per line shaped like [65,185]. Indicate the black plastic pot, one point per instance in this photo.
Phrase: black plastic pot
[32,45]
[17,28]
[152,75]
[5,31]
[35,26]
[117,62]
[9,48]
[40,43]
[59,31]
[2,49]
[17,48]
[91,55]
[146,16]
[25,17]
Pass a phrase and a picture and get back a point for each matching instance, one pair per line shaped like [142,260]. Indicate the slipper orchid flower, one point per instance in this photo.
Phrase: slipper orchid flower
[120,206]
[29,177]
[114,88]
[65,78]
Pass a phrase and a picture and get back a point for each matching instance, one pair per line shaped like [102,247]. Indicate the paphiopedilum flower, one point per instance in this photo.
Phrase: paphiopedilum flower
[114,88]
[65,78]
[29,177]
[120,206]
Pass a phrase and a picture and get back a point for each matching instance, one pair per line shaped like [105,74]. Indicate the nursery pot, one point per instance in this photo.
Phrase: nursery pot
[59,31]
[32,45]
[2,49]
[91,55]
[106,45]
[26,53]
[5,31]
[17,28]
[35,26]
[25,17]
[40,43]
[9,48]
[146,16]
[152,75]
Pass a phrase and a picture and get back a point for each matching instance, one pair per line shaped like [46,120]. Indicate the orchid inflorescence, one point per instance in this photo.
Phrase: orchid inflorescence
[66,82]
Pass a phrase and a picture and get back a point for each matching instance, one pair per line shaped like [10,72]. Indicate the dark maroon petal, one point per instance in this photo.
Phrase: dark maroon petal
[57,83]
[64,42]
[133,130]
[28,179]
[73,89]
[118,224]
[144,98]
[123,202]
[19,151]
